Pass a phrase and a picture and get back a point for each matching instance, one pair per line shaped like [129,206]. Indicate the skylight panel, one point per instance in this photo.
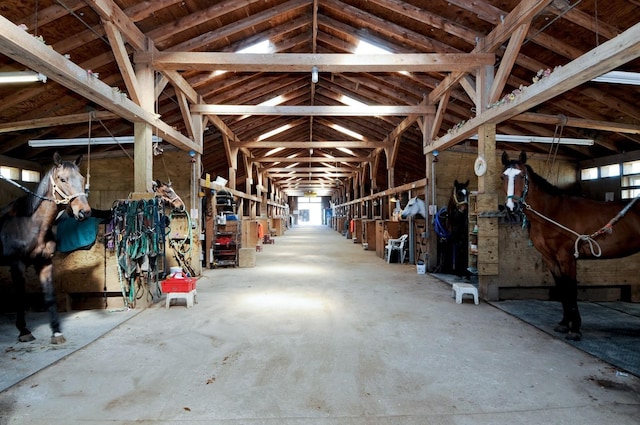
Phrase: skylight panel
[273,151]
[346,131]
[347,151]
[274,132]
[264,46]
[366,48]
[349,101]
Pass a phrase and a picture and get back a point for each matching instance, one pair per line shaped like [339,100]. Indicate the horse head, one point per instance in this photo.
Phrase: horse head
[67,186]
[166,192]
[414,207]
[460,196]
[514,180]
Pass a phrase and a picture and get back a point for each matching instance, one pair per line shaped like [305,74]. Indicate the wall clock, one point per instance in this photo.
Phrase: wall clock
[480,166]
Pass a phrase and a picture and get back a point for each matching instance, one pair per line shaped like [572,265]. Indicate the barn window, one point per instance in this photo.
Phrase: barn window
[630,182]
[589,173]
[30,176]
[12,173]
[612,170]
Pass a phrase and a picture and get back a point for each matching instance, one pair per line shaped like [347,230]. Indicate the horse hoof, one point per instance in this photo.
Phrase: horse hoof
[57,338]
[573,336]
[26,338]
[563,329]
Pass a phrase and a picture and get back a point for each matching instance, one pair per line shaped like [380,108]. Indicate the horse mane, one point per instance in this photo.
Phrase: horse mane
[543,184]
[28,204]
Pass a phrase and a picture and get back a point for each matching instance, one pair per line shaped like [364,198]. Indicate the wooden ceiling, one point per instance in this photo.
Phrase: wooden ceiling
[428,89]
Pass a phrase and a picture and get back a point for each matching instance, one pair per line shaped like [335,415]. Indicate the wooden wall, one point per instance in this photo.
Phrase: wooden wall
[522,273]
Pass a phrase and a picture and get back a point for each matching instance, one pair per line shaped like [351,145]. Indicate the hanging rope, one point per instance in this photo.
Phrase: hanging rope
[87,185]
[555,144]
[115,140]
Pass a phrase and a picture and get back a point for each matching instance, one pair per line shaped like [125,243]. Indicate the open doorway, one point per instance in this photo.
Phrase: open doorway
[310,211]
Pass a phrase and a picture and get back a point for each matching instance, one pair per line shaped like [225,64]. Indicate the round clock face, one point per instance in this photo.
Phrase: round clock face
[480,166]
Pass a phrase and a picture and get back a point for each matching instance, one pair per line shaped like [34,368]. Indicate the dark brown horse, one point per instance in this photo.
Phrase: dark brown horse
[565,228]
[26,237]
[458,227]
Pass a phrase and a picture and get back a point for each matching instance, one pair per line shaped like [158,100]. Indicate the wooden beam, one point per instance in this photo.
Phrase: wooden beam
[307,170]
[25,49]
[304,110]
[604,58]
[525,11]
[122,59]
[268,144]
[313,159]
[326,62]
[53,121]
[577,122]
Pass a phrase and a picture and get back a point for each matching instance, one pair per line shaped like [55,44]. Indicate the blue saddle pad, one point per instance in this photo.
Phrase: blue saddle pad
[72,235]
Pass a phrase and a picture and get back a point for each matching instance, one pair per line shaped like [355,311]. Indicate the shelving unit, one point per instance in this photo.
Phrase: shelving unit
[226,244]
[472,210]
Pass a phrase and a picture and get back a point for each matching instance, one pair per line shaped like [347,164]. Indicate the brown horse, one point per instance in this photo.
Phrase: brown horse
[166,192]
[564,228]
[26,237]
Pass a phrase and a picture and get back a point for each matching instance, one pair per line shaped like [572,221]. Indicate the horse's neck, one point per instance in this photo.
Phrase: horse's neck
[538,199]
[41,204]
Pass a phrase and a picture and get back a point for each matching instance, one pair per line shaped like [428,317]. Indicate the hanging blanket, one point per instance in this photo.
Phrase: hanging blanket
[72,234]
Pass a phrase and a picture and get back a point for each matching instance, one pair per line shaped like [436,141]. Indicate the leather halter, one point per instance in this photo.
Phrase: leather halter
[455,199]
[57,192]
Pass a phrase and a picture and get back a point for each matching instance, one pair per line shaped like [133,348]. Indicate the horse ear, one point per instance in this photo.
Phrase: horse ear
[467,183]
[505,158]
[57,159]
[78,160]
[523,157]
[455,183]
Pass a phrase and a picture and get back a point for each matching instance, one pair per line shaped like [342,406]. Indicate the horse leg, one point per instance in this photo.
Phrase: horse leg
[17,276]
[46,280]
[567,286]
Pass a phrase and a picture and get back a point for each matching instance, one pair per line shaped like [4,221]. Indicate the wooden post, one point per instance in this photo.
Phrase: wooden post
[488,230]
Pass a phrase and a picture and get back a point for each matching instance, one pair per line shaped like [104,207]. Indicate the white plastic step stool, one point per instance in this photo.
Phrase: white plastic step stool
[190,297]
[459,289]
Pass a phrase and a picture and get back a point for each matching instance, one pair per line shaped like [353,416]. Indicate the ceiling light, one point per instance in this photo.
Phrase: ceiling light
[539,139]
[314,74]
[21,77]
[619,77]
[81,141]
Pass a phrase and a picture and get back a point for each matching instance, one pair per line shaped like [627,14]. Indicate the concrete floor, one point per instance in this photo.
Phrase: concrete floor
[321,332]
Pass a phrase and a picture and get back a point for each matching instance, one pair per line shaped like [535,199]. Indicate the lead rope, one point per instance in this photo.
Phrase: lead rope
[587,238]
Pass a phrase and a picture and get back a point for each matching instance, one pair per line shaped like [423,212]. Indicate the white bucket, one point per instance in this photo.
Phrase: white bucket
[421,267]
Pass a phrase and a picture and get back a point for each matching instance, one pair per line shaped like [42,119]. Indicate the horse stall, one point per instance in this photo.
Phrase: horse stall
[523,274]
[509,267]
[369,235]
[389,229]
[88,278]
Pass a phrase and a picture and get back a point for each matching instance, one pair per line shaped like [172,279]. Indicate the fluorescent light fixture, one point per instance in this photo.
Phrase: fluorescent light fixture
[539,139]
[619,77]
[314,74]
[21,77]
[83,141]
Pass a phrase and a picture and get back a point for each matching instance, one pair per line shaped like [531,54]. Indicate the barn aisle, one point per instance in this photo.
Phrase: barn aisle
[322,332]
